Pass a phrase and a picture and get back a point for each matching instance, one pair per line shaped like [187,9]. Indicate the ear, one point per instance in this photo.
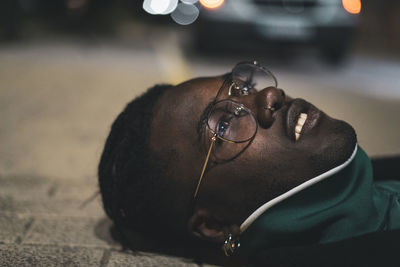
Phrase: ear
[206,226]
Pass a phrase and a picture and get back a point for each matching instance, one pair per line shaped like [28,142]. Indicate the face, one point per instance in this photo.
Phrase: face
[269,164]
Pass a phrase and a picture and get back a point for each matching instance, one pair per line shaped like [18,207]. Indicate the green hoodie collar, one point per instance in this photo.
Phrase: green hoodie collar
[332,206]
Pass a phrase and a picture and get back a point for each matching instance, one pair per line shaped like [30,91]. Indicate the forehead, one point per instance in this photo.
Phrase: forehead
[177,112]
[199,89]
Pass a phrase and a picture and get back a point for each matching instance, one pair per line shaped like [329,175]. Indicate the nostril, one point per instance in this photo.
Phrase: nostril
[270,108]
[270,98]
[265,117]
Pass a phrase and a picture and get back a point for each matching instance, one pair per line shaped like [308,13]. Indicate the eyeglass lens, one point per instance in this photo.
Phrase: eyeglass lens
[233,124]
[247,78]
[232,121]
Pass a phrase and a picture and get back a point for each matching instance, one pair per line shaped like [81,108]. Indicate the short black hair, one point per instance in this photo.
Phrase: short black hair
[130,178]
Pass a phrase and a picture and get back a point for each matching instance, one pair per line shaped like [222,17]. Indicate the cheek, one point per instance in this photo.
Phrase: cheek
[268,150]
[242,188]
[229,188]
[336,146]
[278,164]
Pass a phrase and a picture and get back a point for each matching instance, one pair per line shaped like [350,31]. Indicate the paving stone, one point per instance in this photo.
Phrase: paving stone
[147,260]
[24,194]
[55,207]
[62,207]
[78,199]
[28,255]
[21,181]
[25,187]
[36,195]
[12,227]
[67,231]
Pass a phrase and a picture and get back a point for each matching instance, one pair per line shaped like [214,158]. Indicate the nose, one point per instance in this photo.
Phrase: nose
[268,101]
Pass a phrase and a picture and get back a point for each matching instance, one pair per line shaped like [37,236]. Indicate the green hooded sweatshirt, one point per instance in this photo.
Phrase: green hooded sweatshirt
[341,203]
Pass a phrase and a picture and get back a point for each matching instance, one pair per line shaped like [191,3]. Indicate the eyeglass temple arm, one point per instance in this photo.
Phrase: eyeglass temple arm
[205,165]
[251,75]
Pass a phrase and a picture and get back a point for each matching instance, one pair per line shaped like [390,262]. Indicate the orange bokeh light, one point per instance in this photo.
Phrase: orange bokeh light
[212,4]
[352,6]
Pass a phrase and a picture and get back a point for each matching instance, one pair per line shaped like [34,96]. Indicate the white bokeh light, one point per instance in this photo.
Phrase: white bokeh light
[185,14]
[160,7]
[189,1]
[147,8]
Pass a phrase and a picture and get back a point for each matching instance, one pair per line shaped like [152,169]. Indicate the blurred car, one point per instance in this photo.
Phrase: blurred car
[324,23]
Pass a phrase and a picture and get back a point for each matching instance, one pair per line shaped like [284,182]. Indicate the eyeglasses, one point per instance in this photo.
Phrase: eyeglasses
[230,122]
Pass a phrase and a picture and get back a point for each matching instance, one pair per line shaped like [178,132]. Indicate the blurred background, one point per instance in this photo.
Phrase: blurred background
[67,67]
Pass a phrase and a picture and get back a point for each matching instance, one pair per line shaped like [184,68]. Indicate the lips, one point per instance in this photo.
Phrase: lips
[297,107]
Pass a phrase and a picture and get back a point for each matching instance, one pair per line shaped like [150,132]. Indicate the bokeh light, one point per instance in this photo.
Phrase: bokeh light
[185,14]
[160,7]
[352,6]
[212,4]
[189,1]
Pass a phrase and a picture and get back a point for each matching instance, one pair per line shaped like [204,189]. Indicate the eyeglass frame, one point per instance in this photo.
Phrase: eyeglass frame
[215,136]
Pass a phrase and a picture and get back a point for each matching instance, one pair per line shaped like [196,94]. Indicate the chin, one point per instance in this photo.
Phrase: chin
[337,147]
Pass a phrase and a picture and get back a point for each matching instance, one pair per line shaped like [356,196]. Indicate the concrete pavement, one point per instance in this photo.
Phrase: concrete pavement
[44,222]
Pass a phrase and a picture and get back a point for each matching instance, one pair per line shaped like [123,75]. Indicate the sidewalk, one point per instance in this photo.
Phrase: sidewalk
[45,223]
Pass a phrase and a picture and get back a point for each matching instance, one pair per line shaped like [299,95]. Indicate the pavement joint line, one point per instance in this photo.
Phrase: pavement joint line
[110,249]
[27,227]
[62,180]
[52,190]
[69,245]
[51,216]
[18,240]
[61,245]
[54,245]
[106,258]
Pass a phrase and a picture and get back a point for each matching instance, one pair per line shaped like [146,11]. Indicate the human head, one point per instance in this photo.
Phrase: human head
[268,165]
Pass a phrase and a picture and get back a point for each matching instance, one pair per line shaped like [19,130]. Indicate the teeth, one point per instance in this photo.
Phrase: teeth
[303,115]
[298,128]
[300,122]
